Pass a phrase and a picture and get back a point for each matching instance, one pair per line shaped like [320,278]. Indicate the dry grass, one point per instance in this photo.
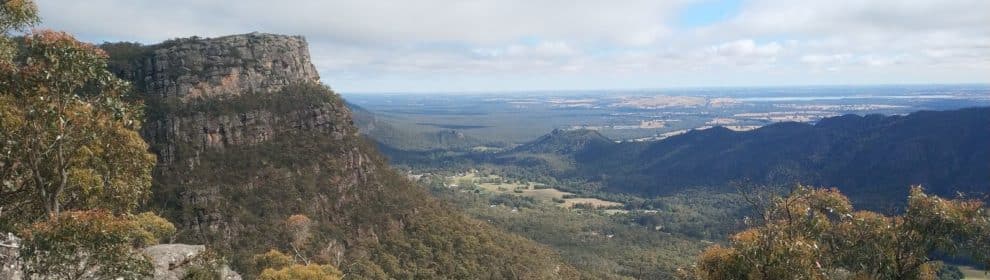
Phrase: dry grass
[529,189]
[971,273]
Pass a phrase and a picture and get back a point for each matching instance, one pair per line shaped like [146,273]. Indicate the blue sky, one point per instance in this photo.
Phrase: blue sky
[506,45]
[707,12]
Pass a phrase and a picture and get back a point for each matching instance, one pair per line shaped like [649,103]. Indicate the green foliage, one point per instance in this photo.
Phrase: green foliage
[815,234]
[302,272]
[85,245]
[158,229]
[68,135]
[209,265]
[273,259]
[15,16]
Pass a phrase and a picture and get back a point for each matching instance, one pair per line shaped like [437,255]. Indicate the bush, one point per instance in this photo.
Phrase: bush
[92,244]
[302,272]
[155,229]
[273,259]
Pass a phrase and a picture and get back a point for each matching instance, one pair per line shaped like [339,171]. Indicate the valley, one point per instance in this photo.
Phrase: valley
[580,187]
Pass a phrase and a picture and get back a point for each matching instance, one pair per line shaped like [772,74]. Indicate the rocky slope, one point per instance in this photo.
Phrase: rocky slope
[246,137]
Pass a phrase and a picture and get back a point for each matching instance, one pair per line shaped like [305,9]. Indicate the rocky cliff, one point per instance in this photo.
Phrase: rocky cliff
[225,66]
[182,78]
[246,137]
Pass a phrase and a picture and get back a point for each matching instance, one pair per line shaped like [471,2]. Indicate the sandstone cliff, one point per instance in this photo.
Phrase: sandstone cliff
[225,66]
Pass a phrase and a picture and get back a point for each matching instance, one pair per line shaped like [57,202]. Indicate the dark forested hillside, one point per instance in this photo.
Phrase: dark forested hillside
[865,156]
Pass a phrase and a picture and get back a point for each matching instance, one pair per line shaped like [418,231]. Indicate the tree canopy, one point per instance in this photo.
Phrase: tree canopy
[69,138]
[816,234]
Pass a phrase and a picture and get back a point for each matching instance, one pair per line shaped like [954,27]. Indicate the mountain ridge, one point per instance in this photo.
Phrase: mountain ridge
[862,155]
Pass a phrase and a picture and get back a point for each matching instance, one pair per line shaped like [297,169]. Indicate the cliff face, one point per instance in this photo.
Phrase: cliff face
[246,137]
[176,73]
[199,132]
[225,66]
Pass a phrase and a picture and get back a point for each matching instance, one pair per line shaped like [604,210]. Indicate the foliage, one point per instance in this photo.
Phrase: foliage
[300,229]
[208,265]
[302,272]
[69,139]
[91,244]
[158,229]
[816,234]
[273,259]
[15,16]
[275,265]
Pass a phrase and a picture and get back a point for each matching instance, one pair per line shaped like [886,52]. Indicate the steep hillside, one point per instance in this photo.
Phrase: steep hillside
[246,137]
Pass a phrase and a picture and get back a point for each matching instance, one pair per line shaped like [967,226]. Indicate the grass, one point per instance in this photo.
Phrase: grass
[497,185]
[971,273]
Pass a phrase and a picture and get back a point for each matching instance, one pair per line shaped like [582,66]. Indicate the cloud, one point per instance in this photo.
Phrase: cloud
[371,21]
[506,44]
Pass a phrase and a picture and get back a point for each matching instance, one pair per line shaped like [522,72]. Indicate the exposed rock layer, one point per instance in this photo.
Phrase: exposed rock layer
[224,66]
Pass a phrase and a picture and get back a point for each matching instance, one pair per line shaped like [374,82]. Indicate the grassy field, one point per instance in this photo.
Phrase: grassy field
[497,185]
[971,273]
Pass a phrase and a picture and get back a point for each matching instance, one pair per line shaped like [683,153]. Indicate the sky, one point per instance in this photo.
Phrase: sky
[511,45]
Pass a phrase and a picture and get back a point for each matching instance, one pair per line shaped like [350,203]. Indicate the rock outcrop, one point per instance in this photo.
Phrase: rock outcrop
[175,261]
[231,65]
[170,261]
[10,266]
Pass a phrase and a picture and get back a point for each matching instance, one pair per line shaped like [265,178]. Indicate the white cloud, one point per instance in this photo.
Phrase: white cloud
[425,45]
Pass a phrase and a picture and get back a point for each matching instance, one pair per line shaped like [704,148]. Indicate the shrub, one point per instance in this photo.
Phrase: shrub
[273,259]
[302,272]
[155,229]
[92,244]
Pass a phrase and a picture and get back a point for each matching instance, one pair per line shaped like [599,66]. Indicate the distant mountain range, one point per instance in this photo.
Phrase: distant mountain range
[873,158]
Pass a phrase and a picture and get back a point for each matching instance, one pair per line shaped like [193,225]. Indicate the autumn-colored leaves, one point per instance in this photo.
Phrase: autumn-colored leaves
[815,234]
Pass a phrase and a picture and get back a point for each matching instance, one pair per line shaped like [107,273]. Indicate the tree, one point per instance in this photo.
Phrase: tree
[72,165]
[816,234]
[94,244]
[299,227]
[275,265]
[69,138]
[273,259]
